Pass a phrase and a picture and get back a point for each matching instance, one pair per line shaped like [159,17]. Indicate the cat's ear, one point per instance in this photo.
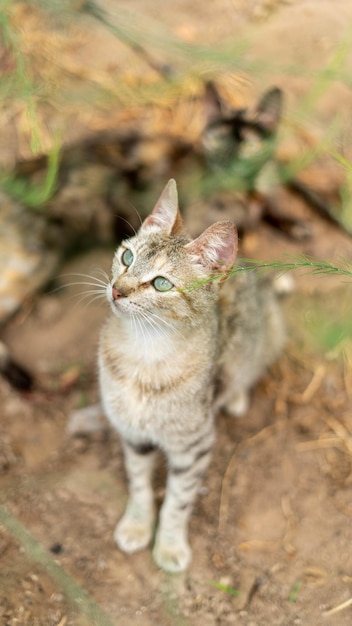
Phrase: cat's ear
[216,248]
[166,215]
[269,109]
[213,104]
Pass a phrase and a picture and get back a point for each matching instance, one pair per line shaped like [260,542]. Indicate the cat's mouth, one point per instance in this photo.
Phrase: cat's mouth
[122,305]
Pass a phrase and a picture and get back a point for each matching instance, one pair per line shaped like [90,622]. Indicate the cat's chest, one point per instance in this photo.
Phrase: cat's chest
[155,390]
[144,363]
[140,379]
[148,379]
[152,400]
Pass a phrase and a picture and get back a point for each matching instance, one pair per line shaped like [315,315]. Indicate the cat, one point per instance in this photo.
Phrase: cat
[241,170]
[183,341]
[106,174]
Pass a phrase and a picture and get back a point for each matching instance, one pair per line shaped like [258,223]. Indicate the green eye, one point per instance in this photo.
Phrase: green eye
[127,257]
[162,284]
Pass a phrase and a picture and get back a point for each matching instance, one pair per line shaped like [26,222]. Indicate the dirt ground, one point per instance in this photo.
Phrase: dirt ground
[273,519]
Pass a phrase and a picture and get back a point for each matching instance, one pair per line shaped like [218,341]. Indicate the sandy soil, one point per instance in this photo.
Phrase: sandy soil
[273,519]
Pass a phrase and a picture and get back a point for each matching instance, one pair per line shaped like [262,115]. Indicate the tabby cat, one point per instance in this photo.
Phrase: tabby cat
[183,341]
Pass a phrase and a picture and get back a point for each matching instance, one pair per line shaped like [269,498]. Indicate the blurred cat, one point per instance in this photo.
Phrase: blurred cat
[102,177]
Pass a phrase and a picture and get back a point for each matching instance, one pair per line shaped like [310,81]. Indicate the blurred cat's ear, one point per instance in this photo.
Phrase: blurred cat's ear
[165,215]
[269,110]
[213,105]
[216,248]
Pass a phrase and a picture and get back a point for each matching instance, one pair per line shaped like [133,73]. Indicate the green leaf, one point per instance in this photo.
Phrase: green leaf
[294,591]
[226,588]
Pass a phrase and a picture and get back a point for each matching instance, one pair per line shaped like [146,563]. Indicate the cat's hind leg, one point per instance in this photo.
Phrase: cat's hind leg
[135,529]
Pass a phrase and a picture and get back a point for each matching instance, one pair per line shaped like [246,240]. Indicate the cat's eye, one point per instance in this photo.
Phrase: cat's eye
[127,257]
[162,284]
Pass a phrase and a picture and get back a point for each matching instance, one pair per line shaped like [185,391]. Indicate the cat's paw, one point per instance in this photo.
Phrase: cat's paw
[132,535]
[172,557]
[239,404]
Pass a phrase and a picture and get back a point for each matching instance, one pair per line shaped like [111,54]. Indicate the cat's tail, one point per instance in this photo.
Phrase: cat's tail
[15,373]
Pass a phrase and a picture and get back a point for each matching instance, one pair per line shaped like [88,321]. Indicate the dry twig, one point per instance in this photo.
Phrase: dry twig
[338,608]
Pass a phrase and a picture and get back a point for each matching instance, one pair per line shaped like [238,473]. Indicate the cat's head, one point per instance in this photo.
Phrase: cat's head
[162,273]
[235,134]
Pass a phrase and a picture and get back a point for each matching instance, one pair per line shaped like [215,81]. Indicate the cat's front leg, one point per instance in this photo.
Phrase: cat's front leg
[172,551]
[135,529]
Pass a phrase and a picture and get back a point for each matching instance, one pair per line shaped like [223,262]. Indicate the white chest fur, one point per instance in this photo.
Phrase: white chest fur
[154,384]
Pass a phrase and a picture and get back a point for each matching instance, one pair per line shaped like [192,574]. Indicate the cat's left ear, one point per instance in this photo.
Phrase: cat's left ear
[213,104]
[216,248]
[166,215]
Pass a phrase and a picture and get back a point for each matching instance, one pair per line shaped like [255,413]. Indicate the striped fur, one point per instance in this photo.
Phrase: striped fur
[169,359]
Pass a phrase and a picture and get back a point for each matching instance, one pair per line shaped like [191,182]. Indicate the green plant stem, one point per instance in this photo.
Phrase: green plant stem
[312,266]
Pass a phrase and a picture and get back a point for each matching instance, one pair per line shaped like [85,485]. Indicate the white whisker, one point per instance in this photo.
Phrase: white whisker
[168,324]
[77,284]
[93,279]
[123,219]
[98,287]
[90,292]
[137,213]
[154,324]
[134,326]
[86,295]
[144,333]
[91,301]
[103,274]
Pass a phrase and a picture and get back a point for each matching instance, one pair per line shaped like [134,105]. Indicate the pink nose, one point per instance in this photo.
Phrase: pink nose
[115,293]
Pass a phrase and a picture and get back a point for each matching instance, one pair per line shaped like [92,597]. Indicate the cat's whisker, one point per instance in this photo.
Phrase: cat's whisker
[168,324]
[141,320]
[97,289]
[89,298]
[134,321]
[154,324]
[80,283]
[91,292]
[123,219]
[137,213]
[146,336]
[151,325]
[92,279]
[97,293]
[138,319]
[100,296]
[163,331]
[103,273]
[144,332]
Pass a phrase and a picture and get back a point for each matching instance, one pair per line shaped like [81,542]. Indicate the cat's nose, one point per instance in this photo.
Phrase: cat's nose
[116,294]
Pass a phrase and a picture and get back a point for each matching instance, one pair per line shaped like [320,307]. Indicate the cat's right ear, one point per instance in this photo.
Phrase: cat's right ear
[269,109]
[166,215]
[216,248]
